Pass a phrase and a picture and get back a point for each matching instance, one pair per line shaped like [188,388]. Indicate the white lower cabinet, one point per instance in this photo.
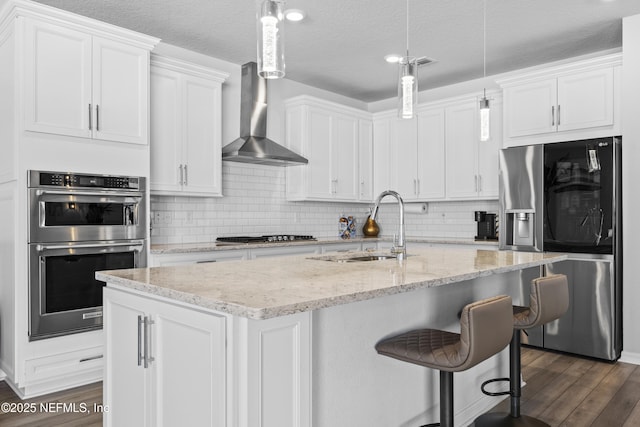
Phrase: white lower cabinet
[284,251]
[199,257]
[172,364]
[165,365]
[274,367]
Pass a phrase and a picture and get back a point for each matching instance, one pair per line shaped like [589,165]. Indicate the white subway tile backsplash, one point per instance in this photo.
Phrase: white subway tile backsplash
[254,203]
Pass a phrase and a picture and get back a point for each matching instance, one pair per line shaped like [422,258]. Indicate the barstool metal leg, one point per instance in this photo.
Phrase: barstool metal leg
[513,418]
[515,372]
[446,401]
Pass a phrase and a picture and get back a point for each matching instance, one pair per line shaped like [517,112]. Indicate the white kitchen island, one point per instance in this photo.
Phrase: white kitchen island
[290,341]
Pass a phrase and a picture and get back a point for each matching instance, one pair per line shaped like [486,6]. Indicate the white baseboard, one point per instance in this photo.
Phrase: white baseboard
[628,357]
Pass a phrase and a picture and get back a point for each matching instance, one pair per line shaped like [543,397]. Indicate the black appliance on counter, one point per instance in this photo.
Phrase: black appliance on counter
[487,226]
[565,197]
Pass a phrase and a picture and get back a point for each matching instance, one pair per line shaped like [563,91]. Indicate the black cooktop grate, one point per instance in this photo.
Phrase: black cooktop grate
[273,238]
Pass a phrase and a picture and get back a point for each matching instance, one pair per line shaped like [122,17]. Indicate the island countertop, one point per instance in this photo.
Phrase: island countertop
[272,287]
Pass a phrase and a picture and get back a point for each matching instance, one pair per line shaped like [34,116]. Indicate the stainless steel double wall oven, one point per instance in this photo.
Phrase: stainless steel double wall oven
[79,224]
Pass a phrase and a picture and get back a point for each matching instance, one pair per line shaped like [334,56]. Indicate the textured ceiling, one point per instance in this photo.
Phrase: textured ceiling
[341,45]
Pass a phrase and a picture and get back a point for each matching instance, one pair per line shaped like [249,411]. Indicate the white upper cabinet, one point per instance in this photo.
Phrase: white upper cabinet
[573,101]
[431,154]
[365,165]
[532,108]
[438,155]
[402,158]
[462,150]
[336,140]
[472,165]
[186,116]
[83,85]
[585,100]
[413,152]
[120,92]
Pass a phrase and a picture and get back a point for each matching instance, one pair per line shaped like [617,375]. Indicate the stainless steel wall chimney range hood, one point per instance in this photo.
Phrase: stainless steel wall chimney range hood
[253,146]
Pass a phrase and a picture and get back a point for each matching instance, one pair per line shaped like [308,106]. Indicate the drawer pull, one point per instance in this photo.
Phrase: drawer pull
[88,359]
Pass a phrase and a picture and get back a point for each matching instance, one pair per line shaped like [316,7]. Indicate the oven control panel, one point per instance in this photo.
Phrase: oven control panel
[71,180]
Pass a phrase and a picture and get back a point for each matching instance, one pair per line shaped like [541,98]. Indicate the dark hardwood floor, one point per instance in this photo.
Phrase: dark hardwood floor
[561,390]
[569,391]
[70,408]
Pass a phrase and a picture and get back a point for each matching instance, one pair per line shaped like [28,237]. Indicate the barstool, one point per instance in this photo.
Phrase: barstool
[485,329]
[549,300]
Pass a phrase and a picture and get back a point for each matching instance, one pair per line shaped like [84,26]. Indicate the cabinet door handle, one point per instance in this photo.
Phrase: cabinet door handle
[97,118]
[90,124]
[558,115]
[181,175]
[140,322]
[147,341]
[362,188]
[553,115]
[186,176]
[475,183]
[479,183]
[415,186]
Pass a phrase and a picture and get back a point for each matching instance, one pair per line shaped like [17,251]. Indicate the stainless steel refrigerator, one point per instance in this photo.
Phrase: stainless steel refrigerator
[565,197]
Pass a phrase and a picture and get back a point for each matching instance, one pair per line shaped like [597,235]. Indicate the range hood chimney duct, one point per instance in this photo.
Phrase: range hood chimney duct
[253,146]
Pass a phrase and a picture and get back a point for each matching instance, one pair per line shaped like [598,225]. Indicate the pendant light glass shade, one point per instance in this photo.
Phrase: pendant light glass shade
[271,39]
[485,119]
[407,87]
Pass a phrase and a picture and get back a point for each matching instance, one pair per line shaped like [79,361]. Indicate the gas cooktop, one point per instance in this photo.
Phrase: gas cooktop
[273,238]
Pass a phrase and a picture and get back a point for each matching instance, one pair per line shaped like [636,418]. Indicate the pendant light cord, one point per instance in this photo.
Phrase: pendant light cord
[484,38]
[407,29]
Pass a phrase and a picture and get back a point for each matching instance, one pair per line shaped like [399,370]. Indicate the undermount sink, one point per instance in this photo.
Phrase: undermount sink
[367,258]
[358,257]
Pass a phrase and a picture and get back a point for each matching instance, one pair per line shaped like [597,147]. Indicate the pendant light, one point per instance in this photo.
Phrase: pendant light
[270,24]
[407,82]
[485,111]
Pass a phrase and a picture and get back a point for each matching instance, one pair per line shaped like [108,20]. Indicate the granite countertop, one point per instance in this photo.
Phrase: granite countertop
[212,246]
[272,287]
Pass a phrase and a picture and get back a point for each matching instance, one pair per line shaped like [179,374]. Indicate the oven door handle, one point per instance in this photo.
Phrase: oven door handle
[61,196]
[133,244]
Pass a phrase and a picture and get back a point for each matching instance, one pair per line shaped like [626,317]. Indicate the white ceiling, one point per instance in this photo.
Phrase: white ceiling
[341,45]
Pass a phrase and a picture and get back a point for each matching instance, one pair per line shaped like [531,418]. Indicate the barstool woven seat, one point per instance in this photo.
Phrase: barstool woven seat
[485,329]
[548,301]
